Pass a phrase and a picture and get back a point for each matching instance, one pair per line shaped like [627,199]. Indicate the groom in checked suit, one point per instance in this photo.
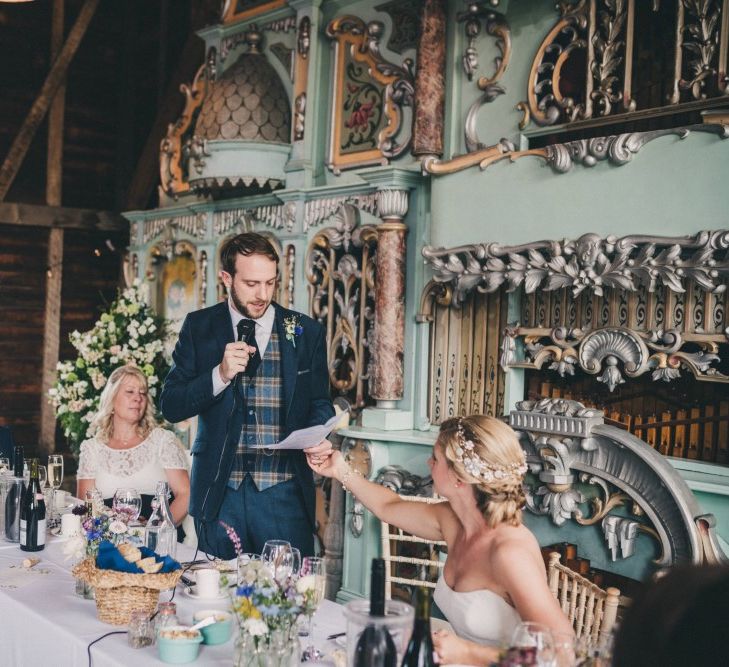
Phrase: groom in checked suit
[250,394]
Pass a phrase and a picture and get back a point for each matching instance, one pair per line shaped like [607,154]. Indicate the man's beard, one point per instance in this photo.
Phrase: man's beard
[242,309]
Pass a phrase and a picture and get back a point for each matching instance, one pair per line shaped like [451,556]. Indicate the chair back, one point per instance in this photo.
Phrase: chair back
[591,610]
[427,562]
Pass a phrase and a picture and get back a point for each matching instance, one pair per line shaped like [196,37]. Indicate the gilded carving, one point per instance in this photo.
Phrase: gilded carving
[340,269]
[368,99]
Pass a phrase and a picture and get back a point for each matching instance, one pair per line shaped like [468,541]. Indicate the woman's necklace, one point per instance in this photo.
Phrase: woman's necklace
[126,438]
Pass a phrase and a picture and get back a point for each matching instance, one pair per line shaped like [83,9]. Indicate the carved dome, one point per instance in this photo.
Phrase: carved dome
[247,102]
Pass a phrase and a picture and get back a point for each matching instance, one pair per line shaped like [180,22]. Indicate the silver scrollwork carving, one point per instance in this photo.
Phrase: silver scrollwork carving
[587,263]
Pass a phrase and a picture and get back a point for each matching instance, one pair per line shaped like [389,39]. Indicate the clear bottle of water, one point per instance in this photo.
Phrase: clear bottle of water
[160,535]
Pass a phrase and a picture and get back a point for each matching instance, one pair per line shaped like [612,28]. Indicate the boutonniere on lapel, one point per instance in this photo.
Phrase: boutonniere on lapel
[293,328]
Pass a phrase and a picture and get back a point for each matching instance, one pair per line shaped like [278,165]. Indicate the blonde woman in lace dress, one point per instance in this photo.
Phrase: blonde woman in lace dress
[494,576]
[129,449]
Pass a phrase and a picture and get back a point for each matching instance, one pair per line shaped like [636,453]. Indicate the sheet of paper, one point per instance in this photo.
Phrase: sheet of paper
[306,437]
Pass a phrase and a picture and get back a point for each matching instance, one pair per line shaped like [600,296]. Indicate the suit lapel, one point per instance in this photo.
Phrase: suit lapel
[289,361]
[223,326]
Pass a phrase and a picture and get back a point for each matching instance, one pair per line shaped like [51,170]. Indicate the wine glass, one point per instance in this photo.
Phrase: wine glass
[312,566]
[42,477]
[127,503]
[538,638]
[55,478]
[279,558]
[295,562]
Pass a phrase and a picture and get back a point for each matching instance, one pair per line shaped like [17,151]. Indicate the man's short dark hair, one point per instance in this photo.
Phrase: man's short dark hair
[247,243]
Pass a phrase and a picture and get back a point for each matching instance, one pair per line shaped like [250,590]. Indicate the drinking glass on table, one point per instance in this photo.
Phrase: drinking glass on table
[55,479]
[127,503]
[42,477]
[312,566]
[536,638]
[279,558]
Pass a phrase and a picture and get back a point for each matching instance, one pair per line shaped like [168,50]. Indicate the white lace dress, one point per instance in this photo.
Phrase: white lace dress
[481,616]
[139,467]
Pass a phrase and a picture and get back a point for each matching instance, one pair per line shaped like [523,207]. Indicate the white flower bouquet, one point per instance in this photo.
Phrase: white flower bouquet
[129,332]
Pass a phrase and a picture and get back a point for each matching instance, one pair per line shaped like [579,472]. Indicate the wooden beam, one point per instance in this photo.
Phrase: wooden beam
[64,218]
[51,336]
[14,159]
[54,160]
[146,173]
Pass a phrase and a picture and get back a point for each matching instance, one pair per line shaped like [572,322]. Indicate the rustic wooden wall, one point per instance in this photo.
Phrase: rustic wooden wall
[89,281]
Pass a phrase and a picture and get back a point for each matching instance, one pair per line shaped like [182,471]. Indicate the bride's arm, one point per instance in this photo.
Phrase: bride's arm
[454,650]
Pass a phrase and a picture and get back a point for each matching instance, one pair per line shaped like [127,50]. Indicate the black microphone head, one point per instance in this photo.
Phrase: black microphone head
[246,331]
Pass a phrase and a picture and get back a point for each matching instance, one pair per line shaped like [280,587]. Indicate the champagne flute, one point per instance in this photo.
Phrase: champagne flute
[127,503]
[55,478]
[279,558]
[312,566]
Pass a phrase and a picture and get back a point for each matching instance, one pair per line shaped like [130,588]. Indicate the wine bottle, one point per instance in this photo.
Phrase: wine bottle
[14,497]
[420,652]
[375,647]
[33,514]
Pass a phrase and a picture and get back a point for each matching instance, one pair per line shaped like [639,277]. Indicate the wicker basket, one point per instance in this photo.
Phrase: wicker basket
[118,594]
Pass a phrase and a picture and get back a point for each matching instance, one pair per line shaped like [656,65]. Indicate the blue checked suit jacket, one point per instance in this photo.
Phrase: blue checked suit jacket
[188,391]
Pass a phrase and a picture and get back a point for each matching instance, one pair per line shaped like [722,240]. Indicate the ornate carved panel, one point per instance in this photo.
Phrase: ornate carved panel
[340,269]
[570,449]
[369,94]
[464,375]
[584,67]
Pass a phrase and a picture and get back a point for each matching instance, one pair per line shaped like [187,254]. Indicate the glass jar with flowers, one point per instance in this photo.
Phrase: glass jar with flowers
[267,610]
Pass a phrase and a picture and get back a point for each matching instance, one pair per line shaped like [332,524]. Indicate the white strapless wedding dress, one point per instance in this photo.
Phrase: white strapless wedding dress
[481,616]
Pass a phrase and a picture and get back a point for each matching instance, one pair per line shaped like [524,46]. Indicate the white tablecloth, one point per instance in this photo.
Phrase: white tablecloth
[43,622]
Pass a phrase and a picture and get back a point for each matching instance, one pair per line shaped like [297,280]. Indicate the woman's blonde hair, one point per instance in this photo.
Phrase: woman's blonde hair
[485,452]
[102,425]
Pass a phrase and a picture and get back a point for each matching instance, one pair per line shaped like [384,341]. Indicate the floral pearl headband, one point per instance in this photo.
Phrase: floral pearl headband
[478,468]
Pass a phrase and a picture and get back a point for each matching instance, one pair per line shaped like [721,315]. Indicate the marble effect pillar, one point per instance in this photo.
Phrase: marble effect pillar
[430,81]
[388,376]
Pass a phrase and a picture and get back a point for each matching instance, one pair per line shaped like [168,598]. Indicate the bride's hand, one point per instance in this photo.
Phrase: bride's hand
[451,649]
[327,467]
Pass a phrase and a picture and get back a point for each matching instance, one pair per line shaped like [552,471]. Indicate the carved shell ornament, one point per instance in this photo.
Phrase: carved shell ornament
[620,344]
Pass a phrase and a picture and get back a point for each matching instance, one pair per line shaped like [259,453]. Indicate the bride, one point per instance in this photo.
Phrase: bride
[494,576]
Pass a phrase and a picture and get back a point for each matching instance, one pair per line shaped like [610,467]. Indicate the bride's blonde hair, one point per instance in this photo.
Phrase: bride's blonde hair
[485,452]
[102,426]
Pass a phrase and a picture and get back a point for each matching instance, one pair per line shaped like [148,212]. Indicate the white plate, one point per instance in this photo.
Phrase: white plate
[190,593]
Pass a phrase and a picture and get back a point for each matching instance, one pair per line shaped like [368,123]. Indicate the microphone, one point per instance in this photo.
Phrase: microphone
[246,334]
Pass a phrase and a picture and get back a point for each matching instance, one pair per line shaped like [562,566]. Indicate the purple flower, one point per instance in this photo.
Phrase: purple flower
[233,537]
[298,330]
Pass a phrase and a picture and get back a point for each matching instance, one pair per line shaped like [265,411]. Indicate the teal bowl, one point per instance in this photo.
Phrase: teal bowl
[177,651]
[218,632]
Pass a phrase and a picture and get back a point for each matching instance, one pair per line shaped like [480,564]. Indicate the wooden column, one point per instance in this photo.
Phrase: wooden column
[54,274]
[430,81]
[51,335]
[388,380]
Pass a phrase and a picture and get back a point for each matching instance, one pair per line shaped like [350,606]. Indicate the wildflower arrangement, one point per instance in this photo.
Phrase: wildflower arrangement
[265,605]
[129,332]
[96,529]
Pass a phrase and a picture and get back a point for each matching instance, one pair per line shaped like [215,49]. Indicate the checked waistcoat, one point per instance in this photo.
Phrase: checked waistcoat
[262,425]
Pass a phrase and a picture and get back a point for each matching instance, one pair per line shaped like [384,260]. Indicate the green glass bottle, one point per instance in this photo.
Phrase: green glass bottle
[420,651]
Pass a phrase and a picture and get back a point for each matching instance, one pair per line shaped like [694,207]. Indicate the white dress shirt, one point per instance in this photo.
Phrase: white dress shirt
[264,326]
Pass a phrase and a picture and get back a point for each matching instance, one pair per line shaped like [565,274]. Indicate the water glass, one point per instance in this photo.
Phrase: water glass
[127,504]
[279,558]
[538,637]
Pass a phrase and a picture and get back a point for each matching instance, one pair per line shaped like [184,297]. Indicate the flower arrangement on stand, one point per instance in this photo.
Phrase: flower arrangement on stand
[129,332]
[268,610]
